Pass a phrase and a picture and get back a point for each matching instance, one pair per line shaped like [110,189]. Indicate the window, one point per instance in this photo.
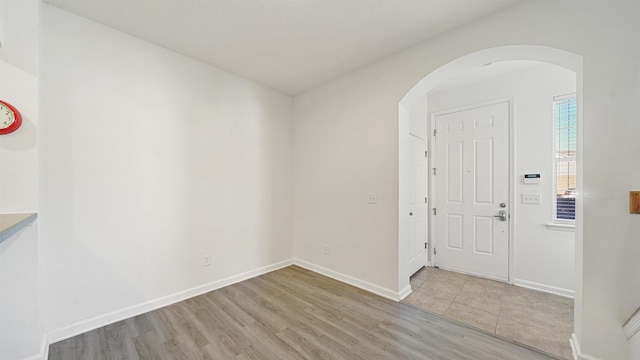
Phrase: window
[564,117]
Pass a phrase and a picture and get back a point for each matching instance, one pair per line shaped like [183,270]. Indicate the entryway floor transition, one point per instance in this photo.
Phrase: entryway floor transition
[533,318]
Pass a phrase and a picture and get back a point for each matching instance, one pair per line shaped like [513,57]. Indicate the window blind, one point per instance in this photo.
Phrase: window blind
[565,139]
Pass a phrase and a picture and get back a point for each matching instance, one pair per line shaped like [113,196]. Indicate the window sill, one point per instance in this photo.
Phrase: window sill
[561,227]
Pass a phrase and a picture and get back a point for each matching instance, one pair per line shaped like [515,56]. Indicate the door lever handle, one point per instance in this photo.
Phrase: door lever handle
[502,215]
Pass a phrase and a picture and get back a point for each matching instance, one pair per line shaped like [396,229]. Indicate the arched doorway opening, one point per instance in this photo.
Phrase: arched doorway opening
[409,107]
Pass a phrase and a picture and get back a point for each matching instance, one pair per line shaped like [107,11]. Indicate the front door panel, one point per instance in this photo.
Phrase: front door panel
[471,183]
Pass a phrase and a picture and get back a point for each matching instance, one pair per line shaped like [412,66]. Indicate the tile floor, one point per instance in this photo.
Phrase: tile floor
[537,319]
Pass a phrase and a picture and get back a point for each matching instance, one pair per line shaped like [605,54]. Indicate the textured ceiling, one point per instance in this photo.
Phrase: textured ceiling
[289,45]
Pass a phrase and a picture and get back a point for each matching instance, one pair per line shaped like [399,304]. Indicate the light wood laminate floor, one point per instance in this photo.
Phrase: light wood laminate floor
[290,313]
[541,320]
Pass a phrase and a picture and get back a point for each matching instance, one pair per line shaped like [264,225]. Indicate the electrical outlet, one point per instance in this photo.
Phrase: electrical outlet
[373,198]
[206,260]
[325,249]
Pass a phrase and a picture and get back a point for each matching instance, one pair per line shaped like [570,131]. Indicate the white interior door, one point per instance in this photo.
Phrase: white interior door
[417,203]
[472,191]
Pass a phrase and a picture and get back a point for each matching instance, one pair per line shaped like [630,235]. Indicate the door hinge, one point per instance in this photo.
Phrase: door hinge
[426,154]
[435,212]
[434,171]
[434,251]
[425,245]
[434,132]
[425,200]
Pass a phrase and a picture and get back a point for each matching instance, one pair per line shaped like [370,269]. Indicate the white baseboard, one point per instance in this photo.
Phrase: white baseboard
[44,350]
[364,285]
[118,315]
[577,353]
[546,288]
[405,292]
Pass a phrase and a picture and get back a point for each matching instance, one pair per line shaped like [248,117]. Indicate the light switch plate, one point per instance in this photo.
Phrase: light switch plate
[531,199]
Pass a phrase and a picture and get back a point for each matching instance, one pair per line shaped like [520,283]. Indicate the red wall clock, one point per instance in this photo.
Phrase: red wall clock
[10,118]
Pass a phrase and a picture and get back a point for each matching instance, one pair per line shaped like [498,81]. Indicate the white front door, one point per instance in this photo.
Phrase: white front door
[417,205]
[472,191]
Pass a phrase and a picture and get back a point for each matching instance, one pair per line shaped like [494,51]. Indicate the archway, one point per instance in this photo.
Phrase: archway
[408,106]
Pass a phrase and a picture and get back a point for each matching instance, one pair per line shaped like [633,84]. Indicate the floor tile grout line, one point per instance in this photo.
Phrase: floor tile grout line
[495,327]
[455,297]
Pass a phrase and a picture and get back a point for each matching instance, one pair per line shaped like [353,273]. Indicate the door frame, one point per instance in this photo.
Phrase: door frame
[510,181]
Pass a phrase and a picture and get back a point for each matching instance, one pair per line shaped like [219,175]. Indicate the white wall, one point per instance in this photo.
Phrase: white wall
[342,152]
[18,150]
[20,34]
[21,332]
[544,259]
[346,144]
[634,344]
[149,161]
[19,87]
